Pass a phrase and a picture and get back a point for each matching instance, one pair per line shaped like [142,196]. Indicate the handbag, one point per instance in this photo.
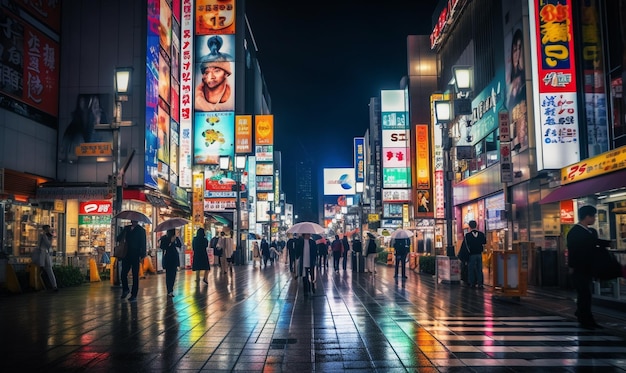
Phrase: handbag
[464,252]
[605,265]
[121,249]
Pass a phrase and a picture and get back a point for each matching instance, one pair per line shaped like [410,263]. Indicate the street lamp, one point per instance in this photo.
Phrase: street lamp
[463,79]
[240,165]
[443,115]
[122,79]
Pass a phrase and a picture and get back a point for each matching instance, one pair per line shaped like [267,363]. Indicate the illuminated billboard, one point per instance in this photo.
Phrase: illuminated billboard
[553,63]
[339,181]
[213,136]
[395,155]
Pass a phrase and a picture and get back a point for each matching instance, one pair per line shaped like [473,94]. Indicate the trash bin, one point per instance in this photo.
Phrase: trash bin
[549,268]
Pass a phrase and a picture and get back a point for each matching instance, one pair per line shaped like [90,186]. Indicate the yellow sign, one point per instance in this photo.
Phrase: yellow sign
[59,205]
[95,149]
[373,217]
[591,167]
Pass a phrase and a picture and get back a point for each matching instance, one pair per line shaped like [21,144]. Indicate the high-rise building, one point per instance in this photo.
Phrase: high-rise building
[305,207]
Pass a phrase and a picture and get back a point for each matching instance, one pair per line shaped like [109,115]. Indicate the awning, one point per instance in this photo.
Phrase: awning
[587,187]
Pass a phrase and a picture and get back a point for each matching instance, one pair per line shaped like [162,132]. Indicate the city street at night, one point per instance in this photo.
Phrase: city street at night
[259,319]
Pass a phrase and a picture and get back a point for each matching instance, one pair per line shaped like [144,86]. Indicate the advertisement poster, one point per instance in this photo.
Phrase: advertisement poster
[213,136]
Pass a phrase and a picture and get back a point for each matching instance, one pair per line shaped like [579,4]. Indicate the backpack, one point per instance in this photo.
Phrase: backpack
[337,246]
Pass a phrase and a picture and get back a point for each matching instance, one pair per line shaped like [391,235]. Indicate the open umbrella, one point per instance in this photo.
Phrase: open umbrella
[172,223]
[253,236]
[133,216]
[306,227]
[402,233]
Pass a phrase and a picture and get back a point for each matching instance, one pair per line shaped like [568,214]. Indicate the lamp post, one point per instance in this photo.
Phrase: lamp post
[443,115]
[122,84]
[445,111]
[240,165]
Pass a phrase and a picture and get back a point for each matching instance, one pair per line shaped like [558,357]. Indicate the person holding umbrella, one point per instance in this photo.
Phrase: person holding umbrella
[200,256]
[169,244]
[306,253]
[135,237]
[401,247]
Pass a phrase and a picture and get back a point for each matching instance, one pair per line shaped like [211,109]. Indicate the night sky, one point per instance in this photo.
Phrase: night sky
[322,62]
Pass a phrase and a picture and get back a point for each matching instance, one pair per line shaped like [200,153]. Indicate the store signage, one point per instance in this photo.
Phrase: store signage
[94,149]
[243,134]
[95,208]
[556,106]
[567,212]
[505,126]
[396,195]
[186,92]
[422,156]
[373,218]
[446,19]
[613,160]
[359,159]
[506,162]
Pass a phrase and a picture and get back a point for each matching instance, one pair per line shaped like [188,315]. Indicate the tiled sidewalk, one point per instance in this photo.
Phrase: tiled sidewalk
[258,320]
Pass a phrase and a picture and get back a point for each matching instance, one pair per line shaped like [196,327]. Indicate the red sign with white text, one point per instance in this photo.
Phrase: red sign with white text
[95,208]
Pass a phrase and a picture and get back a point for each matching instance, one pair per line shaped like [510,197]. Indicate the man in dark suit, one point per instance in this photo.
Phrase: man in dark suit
[291,247]
[582,241]
[401,247]
[306,252]
[135,237]
[475,242]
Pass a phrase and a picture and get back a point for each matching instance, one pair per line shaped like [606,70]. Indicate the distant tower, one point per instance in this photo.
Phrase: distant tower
[305,207]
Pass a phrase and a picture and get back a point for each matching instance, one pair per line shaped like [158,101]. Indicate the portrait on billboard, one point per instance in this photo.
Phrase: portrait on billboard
[88,112]
[514,50]
[215,88]
[423,201]
[215,47]
[214,135]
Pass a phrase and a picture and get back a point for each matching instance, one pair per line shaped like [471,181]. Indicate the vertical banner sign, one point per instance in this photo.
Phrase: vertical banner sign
[186,90]
[424,186]
[506,162]
[264,129]
[555,63]
[359,159]
[243,134]
[438,163]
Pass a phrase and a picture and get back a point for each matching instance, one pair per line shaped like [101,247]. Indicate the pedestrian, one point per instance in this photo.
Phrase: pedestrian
[256,254]
[265,251]
[346,248]
[291,246]
[135,236]
[306,254]
[169,245]
[371,254]
[582,241]
[41,255]
[274,253]
[474,241]
[357,254]
[322,253]
[226,244]
[216,252]
[401,247]
[337,249]
[200,256]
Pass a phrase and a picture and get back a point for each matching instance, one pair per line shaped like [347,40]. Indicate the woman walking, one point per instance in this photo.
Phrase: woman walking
[200,256]
[41,255]
[169,244]
[370,254]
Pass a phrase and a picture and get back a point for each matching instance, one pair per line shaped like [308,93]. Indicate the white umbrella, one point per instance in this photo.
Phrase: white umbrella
[133,215]
[306,227]
[402,233]
[172,223]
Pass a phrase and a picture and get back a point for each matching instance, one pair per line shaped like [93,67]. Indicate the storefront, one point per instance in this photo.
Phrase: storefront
[601,182]
[94,228]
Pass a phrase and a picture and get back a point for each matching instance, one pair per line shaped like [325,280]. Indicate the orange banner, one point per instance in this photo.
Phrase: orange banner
[264,129]
[243,134]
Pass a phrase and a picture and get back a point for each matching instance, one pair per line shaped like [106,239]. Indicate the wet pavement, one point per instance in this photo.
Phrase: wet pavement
[259,320]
